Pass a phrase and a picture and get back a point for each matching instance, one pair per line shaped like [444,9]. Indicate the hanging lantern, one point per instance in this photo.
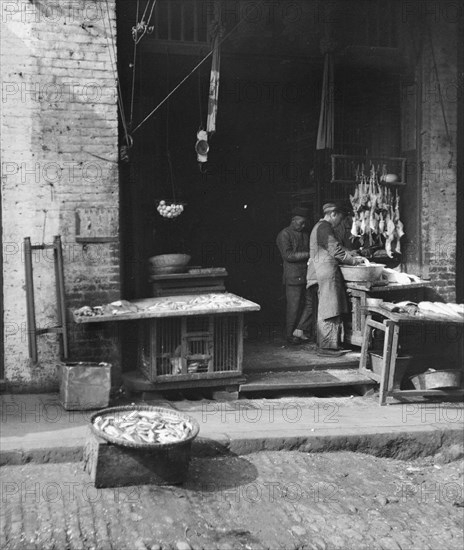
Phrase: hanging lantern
[202,146]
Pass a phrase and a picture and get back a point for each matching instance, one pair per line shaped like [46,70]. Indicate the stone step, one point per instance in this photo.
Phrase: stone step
[316,379]
[290,379]
[259,357]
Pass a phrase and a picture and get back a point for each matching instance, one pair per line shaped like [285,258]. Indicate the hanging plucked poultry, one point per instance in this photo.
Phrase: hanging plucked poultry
[376,213]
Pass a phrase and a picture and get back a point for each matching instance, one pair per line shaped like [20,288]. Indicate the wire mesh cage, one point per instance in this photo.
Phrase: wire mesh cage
[191,347]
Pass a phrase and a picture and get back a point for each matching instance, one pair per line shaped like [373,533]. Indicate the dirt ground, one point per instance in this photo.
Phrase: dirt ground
[285,500]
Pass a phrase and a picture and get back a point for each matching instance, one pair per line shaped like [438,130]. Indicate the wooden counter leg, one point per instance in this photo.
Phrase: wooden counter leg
[365,345]
[388,355]
[394,354]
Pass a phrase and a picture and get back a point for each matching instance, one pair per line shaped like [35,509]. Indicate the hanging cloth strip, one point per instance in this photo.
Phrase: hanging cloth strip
[325,133]
[214,82]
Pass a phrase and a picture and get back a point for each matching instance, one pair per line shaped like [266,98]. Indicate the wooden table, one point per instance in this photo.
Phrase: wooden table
[358,294]
[187,340]
[391,324]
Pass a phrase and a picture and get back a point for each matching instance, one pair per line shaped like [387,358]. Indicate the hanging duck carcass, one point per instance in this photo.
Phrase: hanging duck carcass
[376,214]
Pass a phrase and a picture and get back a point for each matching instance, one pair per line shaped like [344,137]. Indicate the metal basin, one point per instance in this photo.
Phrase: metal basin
[361,273]
[437,380]
[170,260]
[169,263]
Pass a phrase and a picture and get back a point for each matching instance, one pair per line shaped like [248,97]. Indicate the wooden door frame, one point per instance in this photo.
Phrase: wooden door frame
[460,169]
[2,321]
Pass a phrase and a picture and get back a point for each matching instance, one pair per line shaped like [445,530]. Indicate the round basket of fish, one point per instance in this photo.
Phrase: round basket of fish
[144,427]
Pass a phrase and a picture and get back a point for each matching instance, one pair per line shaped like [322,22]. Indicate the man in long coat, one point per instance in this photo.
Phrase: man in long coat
[293,244]
[326,254]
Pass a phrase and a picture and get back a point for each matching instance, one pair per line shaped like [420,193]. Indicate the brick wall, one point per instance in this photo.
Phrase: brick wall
[58,149]
[438,154]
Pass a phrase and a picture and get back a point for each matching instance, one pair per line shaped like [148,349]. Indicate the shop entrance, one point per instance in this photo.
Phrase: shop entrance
[262,159]
[258,164]
[2,328]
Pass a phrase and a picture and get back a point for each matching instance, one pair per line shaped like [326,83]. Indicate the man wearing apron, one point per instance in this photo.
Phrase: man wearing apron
[326,254]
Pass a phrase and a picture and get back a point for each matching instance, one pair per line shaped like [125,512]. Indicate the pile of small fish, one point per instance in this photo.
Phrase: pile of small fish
[211,301]
[115,308]
[142,427]
[87,311]
[376,210]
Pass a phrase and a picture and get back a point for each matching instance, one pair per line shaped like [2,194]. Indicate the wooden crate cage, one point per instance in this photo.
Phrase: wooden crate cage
[192,347]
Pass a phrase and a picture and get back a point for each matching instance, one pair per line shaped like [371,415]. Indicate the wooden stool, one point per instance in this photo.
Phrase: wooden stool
[389,364]
[390,352]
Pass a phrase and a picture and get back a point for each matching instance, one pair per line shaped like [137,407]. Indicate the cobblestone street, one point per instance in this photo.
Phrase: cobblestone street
[285,500]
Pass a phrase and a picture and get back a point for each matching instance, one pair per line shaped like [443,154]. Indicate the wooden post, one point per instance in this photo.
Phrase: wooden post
[394,354]
[61,309]
[386,363]
[365,344]
[31,326]
[240,342]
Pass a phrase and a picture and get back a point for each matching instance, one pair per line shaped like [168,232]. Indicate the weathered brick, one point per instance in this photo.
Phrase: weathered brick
[439,174]
[50,116]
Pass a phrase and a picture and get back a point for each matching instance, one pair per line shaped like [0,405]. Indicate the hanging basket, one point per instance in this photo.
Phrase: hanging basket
[170,209]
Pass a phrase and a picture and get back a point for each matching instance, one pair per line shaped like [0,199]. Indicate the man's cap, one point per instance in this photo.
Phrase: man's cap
[339,208]
[300,211]
[329,207]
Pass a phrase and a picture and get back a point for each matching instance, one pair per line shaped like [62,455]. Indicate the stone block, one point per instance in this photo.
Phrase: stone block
[112,465]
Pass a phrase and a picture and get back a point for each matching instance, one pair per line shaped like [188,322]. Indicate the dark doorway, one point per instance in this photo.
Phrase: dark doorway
[257,165]
[262,158]
[460,170]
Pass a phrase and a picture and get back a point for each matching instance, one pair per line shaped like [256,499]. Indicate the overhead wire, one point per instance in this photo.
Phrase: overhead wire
[195,68]
[200,95]
[134,60]
[440,95]
[151,12]
[143,26]
[144,11]
[113,61]
[437,76]
[168,152]
[199,98]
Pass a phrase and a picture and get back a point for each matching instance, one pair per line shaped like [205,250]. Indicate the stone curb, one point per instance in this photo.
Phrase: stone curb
[398,445]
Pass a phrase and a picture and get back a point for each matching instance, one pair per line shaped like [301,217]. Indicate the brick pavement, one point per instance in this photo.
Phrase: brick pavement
[286,500]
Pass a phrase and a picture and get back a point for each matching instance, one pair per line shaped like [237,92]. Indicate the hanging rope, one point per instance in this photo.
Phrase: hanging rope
[256,6]
[134,62]
[112,47]
[440,95]
[200,95]
[141,26]
[200,132]
[168,152]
